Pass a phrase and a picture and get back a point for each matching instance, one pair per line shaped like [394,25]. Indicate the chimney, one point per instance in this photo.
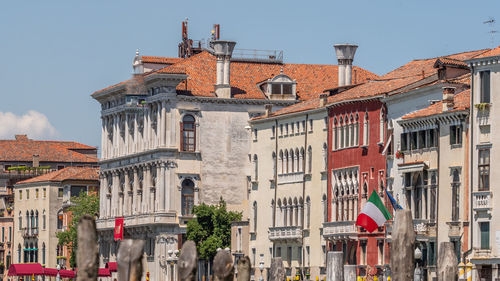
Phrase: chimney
[21,137]
[36,160]
[345,56]
[448,94]
[223,51]
[269,109]
[322,99]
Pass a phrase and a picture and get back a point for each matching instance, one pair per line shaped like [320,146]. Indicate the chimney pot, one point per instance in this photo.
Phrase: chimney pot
[448,95]
[322,99]
[223,51]
[345,56]
[269,109]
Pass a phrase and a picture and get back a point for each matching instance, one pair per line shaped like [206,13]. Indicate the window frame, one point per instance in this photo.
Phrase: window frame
[484,166]
[191,134]
[485,86]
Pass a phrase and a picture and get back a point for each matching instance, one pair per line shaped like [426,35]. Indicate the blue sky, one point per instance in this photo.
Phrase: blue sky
[56,53]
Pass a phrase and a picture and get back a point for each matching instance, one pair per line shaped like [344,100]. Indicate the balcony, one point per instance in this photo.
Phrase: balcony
[340,230]
[30,232]
[291,178]
[139,220]
[285,233]
[481,200]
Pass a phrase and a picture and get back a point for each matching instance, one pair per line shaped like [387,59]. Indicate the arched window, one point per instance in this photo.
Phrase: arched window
[455,185]
[32,252]
[335,134]
[188,133]
[254,210]
[309,159]
[325,208]
[417,200]
[365,189]
[36,220]
[308,212]
[341,127]
[43,253]
[44,220]
[382,127]
[366,130]
[279,212]
[292,161]
[19,253]
[296,214]
[255,168]
[351,129]
[297,160]
[60,220]
[20,221]
[356,131]
[325,157]
[381,186]
[281,163]
[285,212]
[346,131]
[273,212]
[286,168]
[28,220]
[32,220]
[290,211]
[274,163]
[187,197]
[302,159]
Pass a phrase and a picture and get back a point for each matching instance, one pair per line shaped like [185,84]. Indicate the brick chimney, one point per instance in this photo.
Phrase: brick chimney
[345,56]
[322,99]
[223,51]
[269,109]
[448,95]
[21,137]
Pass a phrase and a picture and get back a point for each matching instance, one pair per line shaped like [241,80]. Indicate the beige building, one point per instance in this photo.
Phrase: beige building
[434,170]
[39,214]
[288,191]
[485,225]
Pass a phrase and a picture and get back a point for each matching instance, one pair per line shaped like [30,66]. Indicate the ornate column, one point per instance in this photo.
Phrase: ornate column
[116,135]
[114,193]
[126,188]
[102,195]
[146,188]
[301,214]
[163,131]
[135,208]
[159,126]
[103,138]
[160,187]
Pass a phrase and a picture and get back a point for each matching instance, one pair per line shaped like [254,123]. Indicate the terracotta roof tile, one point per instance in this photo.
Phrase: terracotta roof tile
[48,151]
[68,173]
[160,60]
[245,76]
[489,53]
[454,62]
[461,102]
[408,74]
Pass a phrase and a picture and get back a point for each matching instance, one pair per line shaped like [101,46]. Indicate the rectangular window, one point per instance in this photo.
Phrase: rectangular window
[421,139]
[432,253]
[286,129]
[485,86]
[404,141]
[10,233]
[299,254]
[292,128]
[27,194]
[278,252]
[281,129]
[36,193]
[455,134]
[60,192]
[484,169]
[44,193]
[310,125]
[431,139]
[60,167]
[253,256]
[455,197]
[363,252]
[289,256]
[407,179]
[304,126]
[413,140]
[76,190]
[274,131]
[3,234]
[484,228]
[20,195]
[380,252]
[254,134]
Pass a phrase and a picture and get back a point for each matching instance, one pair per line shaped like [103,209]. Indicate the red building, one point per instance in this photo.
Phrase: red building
[357,166]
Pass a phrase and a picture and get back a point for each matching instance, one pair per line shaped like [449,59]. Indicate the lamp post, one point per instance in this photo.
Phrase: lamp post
[261,267]
[58,277]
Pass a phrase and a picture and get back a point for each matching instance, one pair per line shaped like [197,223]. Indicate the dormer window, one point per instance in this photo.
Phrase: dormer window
[280,86]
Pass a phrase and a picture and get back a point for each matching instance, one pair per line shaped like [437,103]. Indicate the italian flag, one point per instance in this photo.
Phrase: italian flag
[374,214]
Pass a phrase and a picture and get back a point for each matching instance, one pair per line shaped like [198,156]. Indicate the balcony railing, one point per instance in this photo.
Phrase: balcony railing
[481,200]
[339,229]
[285,233]
[291,177]
[30,232]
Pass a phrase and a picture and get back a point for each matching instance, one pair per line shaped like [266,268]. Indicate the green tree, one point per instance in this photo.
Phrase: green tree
[81,205]
[211,228]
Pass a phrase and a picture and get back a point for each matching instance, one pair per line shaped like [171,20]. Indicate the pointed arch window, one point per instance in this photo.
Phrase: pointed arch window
[292,161]
[455,185]
[351,129]
[255,168]
[346,131]
[382,127]
[254,210]
[308,212]
[366,130]
[281,163]
[335,135]
[286,168]
[341,135]
[325,208]
[188,133]
[309,159]
[274,163]
[187,197]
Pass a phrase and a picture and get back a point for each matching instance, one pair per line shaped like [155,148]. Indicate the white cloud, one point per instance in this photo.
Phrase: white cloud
[34,124]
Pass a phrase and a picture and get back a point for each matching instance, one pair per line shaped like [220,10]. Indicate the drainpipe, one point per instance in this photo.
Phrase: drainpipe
[275,179]
[437,191]
[304,191]
[471,169]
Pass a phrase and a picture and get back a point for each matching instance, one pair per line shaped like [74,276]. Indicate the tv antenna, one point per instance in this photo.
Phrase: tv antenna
[491,23]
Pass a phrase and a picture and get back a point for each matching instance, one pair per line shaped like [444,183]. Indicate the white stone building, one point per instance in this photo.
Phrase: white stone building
[176,134]
[484,227]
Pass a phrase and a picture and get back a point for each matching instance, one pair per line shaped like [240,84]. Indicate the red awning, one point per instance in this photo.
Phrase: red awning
[112,266]
[67,273]
[103,272]
[50,272]
[24,269]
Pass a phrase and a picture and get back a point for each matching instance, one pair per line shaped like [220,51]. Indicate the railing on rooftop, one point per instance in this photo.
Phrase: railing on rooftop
[275,56]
